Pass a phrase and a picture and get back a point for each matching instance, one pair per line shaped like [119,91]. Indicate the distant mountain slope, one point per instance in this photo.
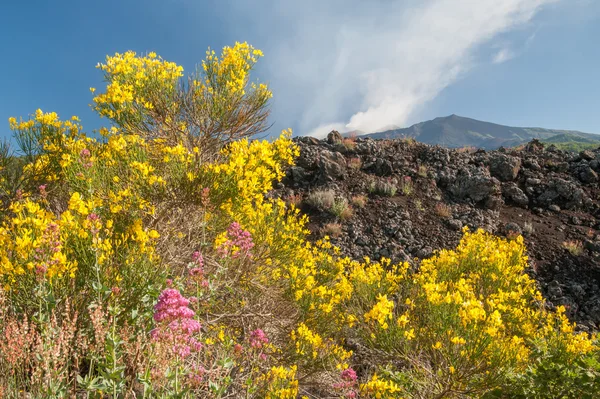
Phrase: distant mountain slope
[458,131]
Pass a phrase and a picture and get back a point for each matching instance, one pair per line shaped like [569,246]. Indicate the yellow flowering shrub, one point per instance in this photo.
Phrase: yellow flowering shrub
[158,242]
[466,321]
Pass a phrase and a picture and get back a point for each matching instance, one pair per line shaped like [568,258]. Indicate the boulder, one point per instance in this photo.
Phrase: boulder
[478,187]
[587,155]
[332,166]
[514,194]
[504,167]
[334,137]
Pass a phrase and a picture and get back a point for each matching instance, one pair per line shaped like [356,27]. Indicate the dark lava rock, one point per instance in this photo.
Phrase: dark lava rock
[334,137]
[514,194]
[504,167]
[478,187]
[332,166]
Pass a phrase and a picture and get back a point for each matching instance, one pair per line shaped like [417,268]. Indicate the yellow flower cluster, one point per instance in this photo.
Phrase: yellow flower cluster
[130,80]
[232,68]
[310,343]
[251,168]
[31,244]
[474,305]
[380,388]
[281,383]
[381,312]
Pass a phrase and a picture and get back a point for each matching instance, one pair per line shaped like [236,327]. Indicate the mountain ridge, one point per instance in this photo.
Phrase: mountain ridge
[457,131]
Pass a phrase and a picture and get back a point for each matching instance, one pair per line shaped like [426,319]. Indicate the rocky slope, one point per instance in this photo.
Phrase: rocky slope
[457,131]
[548,195]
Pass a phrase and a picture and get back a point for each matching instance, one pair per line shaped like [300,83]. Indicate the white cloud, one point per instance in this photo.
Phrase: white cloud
[362,65]
[503,55]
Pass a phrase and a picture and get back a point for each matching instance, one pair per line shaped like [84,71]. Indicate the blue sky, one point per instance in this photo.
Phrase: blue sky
[346,64]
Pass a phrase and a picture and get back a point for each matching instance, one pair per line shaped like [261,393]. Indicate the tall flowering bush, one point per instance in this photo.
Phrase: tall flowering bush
[150,262]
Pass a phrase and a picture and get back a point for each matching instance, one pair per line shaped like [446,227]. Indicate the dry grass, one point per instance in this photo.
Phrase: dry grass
[419,205]
[468,149]
[443,210]
[385,188]
[332,229]
[349,143]
[342,209]
[406,185]
[528,228]
[321,199]
[355,163]
[574,247]
[359,201]
[295,200]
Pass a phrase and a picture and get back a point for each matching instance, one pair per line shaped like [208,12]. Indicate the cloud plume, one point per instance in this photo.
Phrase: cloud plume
[366,65]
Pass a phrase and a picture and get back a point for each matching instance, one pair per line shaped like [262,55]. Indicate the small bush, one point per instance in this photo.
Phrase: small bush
[466,150]
[443,210]
[321,199]
[342,209]
[528,228]
[385,188]
[355,163]
[349,144]
[419,205]
[406,186]
[332,229]
[359,201]
[574,247]
[294,200]
[422,171]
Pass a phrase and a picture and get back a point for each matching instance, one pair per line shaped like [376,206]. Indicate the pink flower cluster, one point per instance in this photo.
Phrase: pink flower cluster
[348,384]
[258,338]
[85,155]
[198,265]
[239,243]
[176,324]
[196,269]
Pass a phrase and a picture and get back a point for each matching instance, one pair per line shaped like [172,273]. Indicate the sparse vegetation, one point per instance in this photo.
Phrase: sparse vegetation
[419,205]
[295,200]
[354,163]
[466,149]
[574,247]
[322,199]
[443,210]
[349,144]
[359,201]
[385,188]
[332,229]
[528,228]
[406,185]
[342,209]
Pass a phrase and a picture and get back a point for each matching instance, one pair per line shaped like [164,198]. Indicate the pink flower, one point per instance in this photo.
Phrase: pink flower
[196,376]
[348,384]
[43,192]
[176,324]
[197,258]
[349,375]
[239,242]
[258,338]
